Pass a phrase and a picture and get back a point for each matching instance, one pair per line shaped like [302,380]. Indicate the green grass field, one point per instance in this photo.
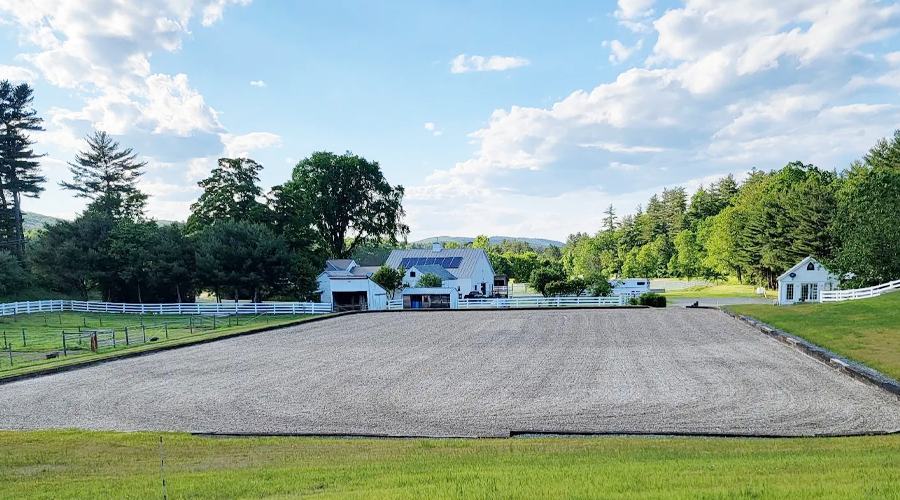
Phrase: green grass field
[867,330]
[723,291]
[43,334]
[77,465]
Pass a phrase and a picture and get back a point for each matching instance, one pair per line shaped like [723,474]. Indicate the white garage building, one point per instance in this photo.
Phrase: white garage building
[805,282]
[348,287]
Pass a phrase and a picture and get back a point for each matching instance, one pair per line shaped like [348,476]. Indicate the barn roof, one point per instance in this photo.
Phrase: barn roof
[465,268]
[800,265]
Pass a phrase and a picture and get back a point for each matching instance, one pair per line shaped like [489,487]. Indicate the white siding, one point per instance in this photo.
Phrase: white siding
[375,295]
[820,276]
[482,274]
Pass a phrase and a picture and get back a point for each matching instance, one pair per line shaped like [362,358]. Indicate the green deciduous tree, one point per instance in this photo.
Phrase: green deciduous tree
[429,280]
[390,279]
[348,201]
[230,193]
[13,278]
[108,176]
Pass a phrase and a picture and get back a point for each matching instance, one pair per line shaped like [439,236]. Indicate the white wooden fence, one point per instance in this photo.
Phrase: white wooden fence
[859,293]
[195,309]
[395,304]
[543,302]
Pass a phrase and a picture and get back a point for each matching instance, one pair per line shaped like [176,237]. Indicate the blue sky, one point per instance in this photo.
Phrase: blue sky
[510,118]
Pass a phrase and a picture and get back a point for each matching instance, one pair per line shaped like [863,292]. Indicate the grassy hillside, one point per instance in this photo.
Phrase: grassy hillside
[75,465]
[32,221]
[867,331]
[495,240]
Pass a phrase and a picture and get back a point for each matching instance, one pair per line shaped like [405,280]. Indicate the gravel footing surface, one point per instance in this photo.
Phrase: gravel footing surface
[484,373]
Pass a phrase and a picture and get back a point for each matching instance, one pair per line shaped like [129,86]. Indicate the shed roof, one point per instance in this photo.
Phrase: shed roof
[444,274]
[466,268]
[429,291]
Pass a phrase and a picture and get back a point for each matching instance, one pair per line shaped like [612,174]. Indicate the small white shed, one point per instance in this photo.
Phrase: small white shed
[805,282]
[430,298]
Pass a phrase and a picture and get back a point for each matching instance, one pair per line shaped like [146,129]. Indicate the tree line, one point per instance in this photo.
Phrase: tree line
[243,242]
[239,242]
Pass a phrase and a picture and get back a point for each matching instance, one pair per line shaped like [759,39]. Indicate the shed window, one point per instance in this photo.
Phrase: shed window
[412,274]
[790,292]
[811,267]
[640,283]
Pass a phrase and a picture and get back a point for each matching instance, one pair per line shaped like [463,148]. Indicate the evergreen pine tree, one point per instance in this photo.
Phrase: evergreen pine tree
[108,177]
[20,172]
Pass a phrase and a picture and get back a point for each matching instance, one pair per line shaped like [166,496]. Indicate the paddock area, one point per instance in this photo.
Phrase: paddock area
[468,373]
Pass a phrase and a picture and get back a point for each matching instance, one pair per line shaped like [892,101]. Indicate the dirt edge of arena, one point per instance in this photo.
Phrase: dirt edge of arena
[840,363]
[8,379]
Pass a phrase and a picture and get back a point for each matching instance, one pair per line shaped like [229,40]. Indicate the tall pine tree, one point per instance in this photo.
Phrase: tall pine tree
[108,177]
[20,171]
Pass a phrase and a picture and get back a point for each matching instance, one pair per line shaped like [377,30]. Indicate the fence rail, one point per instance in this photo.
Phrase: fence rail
[859,293]
[196,309]
[513,303]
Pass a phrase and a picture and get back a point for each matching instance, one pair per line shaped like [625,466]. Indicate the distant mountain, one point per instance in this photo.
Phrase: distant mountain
[495,240]
[32,221]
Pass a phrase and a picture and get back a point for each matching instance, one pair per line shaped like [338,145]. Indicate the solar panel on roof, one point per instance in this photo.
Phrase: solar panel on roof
[440,262]
[454,263]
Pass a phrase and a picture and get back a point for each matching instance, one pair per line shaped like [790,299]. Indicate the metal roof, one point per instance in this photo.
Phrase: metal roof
[466,268]
[343,275]
[364,270]
[429,291]
[444,274]
[338,264]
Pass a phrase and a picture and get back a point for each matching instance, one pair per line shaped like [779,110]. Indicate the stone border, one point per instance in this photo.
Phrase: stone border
[856,370]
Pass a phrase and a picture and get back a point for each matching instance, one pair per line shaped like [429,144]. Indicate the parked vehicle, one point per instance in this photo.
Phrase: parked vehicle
[475,294]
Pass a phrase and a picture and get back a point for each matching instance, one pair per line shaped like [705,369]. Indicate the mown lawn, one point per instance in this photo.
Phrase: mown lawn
[78,465]
[867,330]
[723,291]
[43,333]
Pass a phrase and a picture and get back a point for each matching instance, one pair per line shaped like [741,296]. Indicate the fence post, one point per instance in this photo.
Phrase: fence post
[23,338]
[214,322]
[126,336]
[144,334]
[10,356]
[5,343]
[192,325]
[167,329]
[64,344]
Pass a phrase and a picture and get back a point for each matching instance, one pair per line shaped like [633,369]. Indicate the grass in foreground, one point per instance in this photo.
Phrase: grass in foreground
[77,465]
[43,334]
[866,331]
[729,291]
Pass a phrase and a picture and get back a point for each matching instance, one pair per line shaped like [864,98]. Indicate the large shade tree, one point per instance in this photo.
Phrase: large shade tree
[107,175]
[347,201]
[231,192]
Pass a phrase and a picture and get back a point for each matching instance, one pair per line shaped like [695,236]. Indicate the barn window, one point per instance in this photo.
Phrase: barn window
[811,267]
[412,274]
[640,283]
[790,292]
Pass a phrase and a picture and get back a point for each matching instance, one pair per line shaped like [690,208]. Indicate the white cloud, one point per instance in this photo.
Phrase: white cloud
[438,133]
[17,74]
[258,83]
[239,146]
[620,52]
[630,9]
[429,126]
[718,95]
[465,64]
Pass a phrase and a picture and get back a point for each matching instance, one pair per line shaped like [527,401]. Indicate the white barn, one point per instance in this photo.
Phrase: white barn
[348,287]
[805,282]
[464,269]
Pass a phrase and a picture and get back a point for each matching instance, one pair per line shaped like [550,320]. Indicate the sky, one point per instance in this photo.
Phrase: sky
[513,118]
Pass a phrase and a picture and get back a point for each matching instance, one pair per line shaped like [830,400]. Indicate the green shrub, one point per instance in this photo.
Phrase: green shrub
[652,299]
